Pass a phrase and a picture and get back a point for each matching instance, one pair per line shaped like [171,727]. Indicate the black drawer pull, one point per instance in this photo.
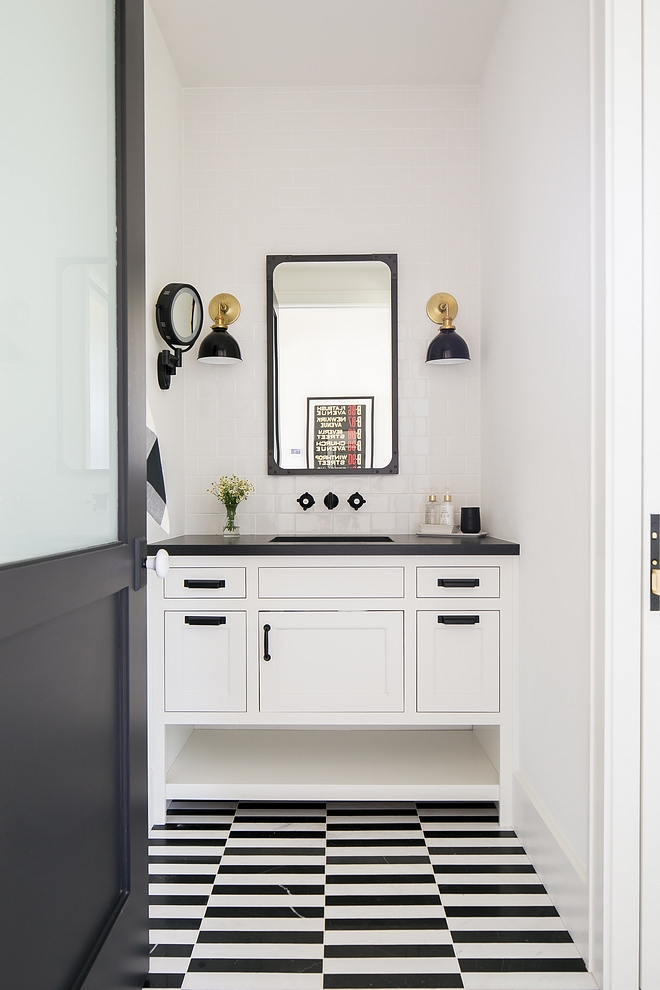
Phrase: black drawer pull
[458,582]
[203,584]
[266,649]
[459,620]
[206,620]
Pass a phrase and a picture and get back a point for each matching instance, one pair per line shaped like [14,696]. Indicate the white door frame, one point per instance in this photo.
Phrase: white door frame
[650,847]
[619,525]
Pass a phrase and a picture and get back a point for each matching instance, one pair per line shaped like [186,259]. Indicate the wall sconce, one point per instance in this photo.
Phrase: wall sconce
[179,315]
[447,347]
[219,347]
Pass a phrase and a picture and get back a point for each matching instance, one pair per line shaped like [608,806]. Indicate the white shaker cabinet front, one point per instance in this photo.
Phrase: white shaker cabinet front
[323,661]
[458,661]
[205,661]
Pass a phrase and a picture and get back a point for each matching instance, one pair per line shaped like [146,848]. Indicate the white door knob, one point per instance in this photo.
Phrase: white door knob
[160,563]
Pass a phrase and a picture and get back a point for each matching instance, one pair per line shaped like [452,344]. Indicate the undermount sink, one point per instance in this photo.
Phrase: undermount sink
[338,538]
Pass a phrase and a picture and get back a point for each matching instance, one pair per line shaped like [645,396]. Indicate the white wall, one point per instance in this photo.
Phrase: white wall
[536,392]
[164,209]
[319,171]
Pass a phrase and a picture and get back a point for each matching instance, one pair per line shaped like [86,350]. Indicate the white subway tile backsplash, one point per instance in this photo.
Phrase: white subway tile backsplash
[328,170]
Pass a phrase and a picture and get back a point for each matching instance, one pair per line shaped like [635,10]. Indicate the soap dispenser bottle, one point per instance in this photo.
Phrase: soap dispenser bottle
[430,511]
[447,511]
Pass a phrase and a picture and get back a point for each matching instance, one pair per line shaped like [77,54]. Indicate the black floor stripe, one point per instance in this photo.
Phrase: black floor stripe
[160,980]
[384,924]
[376,860]
[241,938]
[372,900]
[383,981]
[198,860]
[338,878]
[255,966]
[477,851]
[483,868]
[522,966]
[274,851]
[372,843]
[388,951]
[509,936]
[506,911]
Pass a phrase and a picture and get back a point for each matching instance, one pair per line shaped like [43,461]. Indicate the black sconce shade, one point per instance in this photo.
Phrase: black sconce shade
[447,347]
[219,347]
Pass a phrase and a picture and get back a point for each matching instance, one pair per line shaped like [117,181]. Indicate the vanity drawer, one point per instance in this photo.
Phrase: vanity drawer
[458,582]
[331,582]
[205,582]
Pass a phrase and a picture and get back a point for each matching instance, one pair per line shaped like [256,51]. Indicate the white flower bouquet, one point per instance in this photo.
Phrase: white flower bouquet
[231,490]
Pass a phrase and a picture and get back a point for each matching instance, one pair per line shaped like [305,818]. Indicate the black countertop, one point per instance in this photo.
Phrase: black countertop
[314,545]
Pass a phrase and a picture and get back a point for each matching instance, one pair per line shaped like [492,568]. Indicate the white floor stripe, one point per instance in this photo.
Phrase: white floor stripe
[253,981]
[529,981]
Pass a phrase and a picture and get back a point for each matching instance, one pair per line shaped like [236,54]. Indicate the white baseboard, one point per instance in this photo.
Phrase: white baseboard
[563,876]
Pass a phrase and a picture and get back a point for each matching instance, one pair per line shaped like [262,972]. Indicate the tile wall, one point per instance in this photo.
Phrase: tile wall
[329,171]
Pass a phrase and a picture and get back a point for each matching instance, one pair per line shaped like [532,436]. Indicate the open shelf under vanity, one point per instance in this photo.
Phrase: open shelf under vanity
[333,765]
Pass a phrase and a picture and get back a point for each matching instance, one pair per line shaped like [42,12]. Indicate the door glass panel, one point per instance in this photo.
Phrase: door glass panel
[58,338]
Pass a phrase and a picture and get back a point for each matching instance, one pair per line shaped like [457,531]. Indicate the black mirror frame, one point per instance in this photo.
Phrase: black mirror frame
[272,261]
[164,321]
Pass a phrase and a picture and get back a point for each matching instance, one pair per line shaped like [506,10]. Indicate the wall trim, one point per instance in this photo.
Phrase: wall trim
[555,861]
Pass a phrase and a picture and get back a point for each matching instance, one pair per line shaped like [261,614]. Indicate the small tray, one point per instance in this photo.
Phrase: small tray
[426,530]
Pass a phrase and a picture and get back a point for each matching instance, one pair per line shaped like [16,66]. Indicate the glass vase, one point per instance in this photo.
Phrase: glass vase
[230,530]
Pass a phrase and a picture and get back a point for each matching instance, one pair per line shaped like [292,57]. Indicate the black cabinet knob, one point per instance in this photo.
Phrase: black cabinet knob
[331,501]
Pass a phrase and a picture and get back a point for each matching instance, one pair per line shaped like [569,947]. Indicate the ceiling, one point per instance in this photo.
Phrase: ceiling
[328,42]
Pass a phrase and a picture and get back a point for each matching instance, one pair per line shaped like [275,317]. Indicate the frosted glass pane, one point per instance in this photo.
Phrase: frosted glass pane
[58,338]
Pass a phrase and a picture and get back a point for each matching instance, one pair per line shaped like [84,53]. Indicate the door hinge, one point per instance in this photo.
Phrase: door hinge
[139,563]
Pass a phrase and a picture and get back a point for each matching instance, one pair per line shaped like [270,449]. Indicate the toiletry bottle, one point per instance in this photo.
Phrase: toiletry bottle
[447,511]
[430,511]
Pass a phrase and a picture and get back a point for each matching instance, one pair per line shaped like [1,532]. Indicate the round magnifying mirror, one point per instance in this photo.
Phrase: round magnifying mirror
[179,314]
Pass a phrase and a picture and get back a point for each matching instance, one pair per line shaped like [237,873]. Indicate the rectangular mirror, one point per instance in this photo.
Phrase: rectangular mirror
[332,364]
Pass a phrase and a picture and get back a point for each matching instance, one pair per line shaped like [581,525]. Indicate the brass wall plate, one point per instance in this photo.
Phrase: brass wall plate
[224,309]
[442,308]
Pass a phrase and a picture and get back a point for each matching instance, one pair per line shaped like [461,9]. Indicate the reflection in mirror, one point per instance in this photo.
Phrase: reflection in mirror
[88,403]
[332,364]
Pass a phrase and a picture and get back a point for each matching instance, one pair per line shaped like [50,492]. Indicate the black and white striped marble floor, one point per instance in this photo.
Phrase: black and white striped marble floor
[346,896]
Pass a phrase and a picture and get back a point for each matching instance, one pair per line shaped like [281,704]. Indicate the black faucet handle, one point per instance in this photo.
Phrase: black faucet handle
[356,501]
[306,501]
[331,501]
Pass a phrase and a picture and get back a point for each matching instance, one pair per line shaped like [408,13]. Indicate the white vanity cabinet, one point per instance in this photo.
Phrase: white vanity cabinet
[342,675]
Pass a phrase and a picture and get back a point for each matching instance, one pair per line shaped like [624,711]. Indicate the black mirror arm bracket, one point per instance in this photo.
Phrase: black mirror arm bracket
[168,362]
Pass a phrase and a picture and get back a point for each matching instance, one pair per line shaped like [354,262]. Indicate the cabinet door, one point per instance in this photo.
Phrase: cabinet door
[458,661]
[205,661]
[331,661]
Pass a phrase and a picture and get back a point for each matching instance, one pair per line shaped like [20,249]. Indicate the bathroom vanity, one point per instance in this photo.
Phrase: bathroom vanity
[292,668]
